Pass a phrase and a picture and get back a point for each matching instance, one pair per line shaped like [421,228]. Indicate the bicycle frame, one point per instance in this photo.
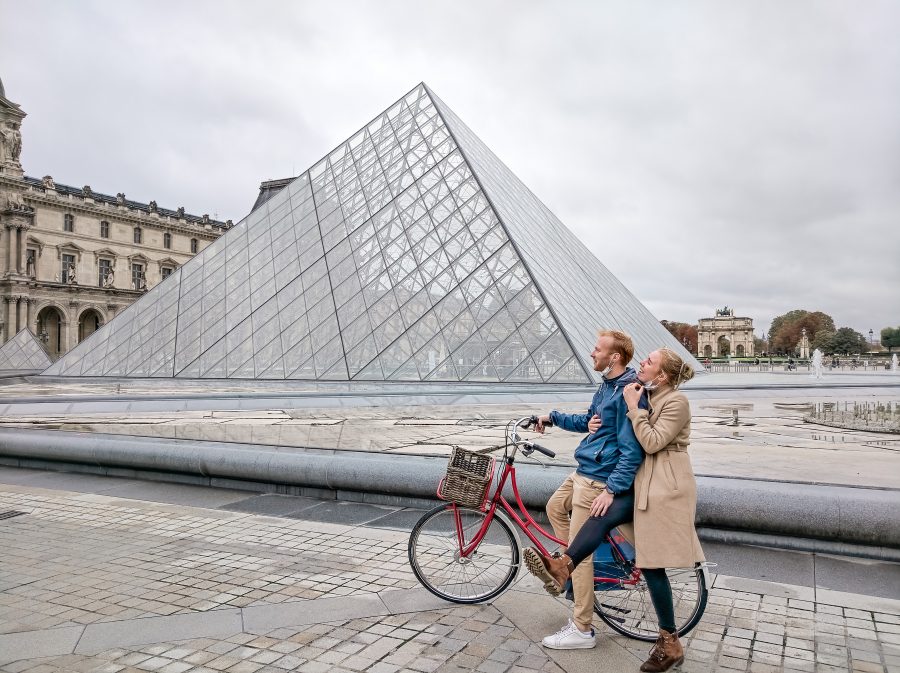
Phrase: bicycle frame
[523,520]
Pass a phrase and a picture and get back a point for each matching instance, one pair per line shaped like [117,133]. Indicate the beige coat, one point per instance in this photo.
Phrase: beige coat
[665,488]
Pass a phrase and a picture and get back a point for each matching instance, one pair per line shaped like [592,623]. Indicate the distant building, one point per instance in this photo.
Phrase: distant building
[725,334]
[71,258]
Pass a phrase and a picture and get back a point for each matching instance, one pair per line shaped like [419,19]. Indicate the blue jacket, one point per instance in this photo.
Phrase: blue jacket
[612,454]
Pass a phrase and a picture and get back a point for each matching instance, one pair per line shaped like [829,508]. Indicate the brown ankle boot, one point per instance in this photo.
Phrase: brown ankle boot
[667,652]
[553,572]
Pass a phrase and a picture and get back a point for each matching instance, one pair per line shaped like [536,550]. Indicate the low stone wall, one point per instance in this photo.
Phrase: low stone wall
[831,518]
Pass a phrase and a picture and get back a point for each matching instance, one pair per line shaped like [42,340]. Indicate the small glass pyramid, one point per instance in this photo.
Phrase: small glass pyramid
[409,253]
[23,353]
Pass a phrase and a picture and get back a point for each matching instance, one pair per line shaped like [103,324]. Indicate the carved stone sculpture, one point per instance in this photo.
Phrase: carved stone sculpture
[153,207]
[48,183]
[10,143]
[88,192]
[70,275]
[110,278]
[120,198]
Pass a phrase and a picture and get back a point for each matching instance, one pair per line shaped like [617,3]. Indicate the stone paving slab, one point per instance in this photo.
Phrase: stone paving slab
[99,583]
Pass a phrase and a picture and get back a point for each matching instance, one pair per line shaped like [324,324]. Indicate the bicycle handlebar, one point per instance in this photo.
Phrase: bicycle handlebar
[541,449]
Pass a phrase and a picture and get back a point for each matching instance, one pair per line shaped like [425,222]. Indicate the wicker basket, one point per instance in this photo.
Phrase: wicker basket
[468,476]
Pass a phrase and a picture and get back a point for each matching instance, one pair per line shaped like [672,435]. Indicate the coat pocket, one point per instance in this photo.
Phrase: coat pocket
[670,474]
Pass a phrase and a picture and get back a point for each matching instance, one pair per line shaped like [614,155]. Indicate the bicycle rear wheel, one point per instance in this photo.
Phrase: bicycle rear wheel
[627,608]
[437,563]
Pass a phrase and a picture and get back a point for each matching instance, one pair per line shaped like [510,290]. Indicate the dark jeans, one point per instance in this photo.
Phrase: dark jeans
[593,533]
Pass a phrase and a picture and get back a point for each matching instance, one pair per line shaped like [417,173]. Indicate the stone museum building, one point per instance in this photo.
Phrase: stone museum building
[725,334]
[71,258]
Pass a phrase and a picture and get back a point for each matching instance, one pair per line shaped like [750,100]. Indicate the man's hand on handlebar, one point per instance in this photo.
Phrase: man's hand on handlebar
[541,423]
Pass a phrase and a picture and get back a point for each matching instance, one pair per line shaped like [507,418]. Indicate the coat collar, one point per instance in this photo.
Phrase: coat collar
[656,398]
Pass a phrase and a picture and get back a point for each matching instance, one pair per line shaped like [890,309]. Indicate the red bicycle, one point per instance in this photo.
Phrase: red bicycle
[466,551]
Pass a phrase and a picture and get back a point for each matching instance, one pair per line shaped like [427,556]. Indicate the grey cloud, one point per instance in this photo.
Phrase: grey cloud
[709,153]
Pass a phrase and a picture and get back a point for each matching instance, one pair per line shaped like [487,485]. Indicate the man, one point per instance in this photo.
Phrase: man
[608,458]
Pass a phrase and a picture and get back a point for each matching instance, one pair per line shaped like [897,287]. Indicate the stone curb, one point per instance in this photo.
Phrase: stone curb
[836,514]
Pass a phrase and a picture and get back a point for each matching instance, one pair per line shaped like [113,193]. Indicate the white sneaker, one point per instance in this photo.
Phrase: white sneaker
[570,637]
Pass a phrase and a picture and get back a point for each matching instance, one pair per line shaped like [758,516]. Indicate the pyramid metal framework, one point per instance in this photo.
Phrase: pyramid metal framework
[409,253]
[23,353]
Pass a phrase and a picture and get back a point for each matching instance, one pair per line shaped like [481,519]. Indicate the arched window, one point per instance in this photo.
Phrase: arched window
[138,235]
[167,240]
[194,245]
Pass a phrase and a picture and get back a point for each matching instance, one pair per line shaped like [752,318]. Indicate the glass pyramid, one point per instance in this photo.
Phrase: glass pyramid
[409,253]
[23,353]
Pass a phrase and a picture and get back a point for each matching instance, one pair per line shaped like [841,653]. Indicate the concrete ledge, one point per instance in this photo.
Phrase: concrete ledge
[836,514]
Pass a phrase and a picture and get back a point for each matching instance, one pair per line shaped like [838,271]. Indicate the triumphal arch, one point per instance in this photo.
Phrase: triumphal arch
[725,334]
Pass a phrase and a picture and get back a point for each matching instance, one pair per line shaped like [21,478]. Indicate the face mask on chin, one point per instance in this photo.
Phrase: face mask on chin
[604,373]
[651,385]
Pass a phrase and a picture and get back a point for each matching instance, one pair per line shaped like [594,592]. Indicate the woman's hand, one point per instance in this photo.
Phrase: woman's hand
[632,395]
[601,503]
[594,424]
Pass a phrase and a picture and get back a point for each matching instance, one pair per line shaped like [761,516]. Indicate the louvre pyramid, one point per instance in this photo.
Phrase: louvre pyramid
[23,353]
[409,253]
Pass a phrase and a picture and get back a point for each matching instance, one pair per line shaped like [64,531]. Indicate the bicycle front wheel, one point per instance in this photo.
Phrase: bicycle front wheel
[627,608]
[434,554]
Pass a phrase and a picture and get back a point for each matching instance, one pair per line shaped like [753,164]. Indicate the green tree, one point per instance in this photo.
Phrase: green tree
[786,330]
[848,340]
[824,341]
[890,338]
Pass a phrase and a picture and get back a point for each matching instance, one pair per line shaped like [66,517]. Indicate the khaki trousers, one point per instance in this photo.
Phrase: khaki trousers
[575,497]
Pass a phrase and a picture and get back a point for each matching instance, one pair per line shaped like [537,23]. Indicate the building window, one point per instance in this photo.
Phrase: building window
[138,235]
[137,276]
[68,222]
[166,272]
[105,266]
[104,229]
[194,246]
[167,240]
[68,262]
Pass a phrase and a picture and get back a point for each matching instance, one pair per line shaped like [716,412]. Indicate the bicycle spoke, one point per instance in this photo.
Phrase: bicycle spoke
[440,566]
[629,610]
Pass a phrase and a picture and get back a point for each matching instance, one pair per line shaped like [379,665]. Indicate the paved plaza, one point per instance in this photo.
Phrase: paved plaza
[106,574]
[110,575]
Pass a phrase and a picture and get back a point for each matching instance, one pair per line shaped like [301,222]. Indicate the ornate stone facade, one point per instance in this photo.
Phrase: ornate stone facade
[724,335]
[72,258]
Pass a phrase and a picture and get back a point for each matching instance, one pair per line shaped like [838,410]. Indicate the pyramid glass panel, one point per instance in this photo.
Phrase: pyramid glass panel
[408,253]
[23,353]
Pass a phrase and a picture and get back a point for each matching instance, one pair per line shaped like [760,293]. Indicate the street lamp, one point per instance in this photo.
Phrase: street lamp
[871,338]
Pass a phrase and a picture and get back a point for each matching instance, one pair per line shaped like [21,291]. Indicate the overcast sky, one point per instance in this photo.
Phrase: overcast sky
[740,153]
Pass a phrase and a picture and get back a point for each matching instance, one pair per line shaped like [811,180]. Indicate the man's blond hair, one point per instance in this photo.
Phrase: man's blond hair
[622,343]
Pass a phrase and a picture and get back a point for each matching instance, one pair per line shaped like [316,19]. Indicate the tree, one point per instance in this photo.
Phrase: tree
[848,340]
[890,338]
[685,334]
[823,341]
[786,330]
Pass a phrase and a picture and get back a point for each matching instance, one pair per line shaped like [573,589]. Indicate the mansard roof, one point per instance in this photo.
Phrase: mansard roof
[66,190]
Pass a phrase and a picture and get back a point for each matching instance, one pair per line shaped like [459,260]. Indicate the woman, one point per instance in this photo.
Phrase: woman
[665,499]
